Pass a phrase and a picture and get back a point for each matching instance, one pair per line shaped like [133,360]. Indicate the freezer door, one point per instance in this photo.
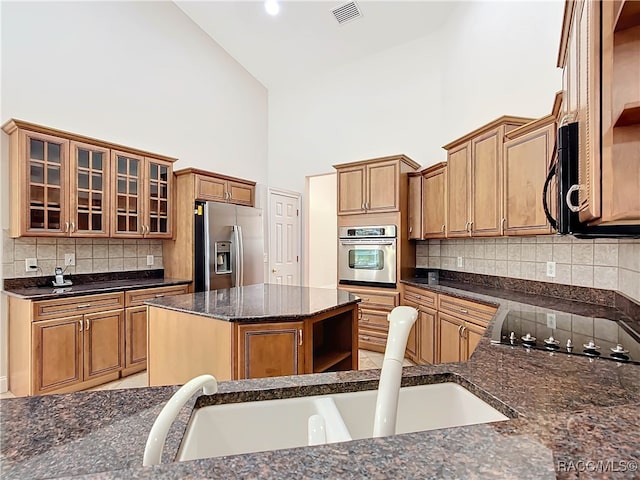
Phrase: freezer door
[252,244]
[220,221]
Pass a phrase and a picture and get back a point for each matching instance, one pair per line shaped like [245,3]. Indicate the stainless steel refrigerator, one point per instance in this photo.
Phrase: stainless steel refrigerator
[229,246]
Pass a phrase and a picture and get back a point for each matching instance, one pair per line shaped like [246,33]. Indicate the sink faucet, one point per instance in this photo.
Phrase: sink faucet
[401,319]
[158,434]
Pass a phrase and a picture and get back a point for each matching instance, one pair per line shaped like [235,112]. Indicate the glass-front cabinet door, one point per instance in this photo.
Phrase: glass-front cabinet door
[127,215]
[89,180]
[46,185]
[158,184]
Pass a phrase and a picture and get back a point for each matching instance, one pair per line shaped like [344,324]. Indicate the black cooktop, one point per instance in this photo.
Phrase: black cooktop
[570,334]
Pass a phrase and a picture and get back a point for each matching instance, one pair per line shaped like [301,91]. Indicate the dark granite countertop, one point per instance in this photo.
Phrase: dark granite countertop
[263,301]
[572,417]
[90,286]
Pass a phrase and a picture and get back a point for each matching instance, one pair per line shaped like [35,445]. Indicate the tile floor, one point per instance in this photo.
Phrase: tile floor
[366,360]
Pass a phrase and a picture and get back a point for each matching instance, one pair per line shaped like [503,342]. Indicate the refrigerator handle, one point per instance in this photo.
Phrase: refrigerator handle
[207,252]
[239,256]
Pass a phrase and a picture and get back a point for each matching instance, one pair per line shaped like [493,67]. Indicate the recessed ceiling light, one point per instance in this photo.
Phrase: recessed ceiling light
[272,7]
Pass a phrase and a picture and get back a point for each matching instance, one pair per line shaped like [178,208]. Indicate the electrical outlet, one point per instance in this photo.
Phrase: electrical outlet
[551,320]
[69,259]
[459,261]
[30,264]
[149,260]
[551,269]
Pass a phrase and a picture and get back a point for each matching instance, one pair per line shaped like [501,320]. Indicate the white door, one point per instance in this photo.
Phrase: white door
[284,238]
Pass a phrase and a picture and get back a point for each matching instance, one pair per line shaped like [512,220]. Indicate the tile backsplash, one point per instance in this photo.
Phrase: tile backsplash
[92,255]
[612,264]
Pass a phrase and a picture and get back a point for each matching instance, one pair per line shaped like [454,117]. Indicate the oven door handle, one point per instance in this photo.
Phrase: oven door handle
[367,242]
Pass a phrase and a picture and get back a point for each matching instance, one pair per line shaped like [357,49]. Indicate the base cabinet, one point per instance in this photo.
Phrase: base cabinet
[270,350]
[74,343]
[375,305]
[135,327]
[448,328]
[233,350]
[72,350]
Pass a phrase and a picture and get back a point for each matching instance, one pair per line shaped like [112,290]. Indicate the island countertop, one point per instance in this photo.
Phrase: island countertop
[260,302]
[575,418]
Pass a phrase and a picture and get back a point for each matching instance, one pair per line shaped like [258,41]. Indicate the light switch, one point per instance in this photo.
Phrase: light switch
[149,260]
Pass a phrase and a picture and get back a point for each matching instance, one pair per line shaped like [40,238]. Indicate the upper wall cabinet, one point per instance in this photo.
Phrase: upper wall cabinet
[63,184]
[599,54]
[474,179]
[528,154]
[372,186]
[143,196]
[427,202]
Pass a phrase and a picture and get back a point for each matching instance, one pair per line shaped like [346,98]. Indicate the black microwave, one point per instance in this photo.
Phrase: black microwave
[565,168]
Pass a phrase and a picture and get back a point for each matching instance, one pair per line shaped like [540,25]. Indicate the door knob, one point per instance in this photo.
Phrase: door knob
[274,270]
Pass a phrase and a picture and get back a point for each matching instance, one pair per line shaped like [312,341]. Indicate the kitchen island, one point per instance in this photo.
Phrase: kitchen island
[571,417]
[254,331]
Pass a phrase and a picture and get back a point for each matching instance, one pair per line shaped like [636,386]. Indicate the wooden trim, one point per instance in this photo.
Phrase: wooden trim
[433,168]
[197,171]
[505,119]
[401,157]
[20,358]
[536,124]
[569,6]
[13,123]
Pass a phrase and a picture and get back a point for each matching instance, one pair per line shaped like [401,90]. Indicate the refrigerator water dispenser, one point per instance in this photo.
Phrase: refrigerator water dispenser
[223,257]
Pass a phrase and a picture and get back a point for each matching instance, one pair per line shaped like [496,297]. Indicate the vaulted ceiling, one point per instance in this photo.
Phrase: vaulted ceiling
[305,39]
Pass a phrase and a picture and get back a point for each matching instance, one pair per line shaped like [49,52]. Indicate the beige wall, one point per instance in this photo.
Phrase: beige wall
[321,231]
[612,264]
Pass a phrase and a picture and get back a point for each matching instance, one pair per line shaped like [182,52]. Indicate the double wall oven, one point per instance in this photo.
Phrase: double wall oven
[367,256]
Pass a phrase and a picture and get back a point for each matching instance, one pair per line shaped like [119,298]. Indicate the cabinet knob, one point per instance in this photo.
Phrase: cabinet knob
[275,270]
[80,323]
[73,227]
[300,337]
[66,227]
[464,311]
[443,228]
[410,229]
[88,324]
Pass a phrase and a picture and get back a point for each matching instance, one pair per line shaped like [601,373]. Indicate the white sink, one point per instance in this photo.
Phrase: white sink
[276,424]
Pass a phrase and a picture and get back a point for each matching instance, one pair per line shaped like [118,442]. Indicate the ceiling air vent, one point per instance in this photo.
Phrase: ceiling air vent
[347,12]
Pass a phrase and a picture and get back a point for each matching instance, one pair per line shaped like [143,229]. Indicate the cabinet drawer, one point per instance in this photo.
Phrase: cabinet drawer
[372,340]
[373,318]
[467,310]
[422,297]
[134,298]
[47,309]
[376,298]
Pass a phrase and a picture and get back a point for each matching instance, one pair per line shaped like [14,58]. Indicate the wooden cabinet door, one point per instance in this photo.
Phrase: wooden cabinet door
[433,206]
[158,183]
[46,188]
[103,343]
[486,201]
[587,25]
[127,216]
[57,353]
[270,350]
[382,187]
[351,190]
[526,162]
[427,337]
[415,213]
[135,330]
[90,193]
[211,189]
[472,335]
[451,348]
[458,188]
[241,194]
